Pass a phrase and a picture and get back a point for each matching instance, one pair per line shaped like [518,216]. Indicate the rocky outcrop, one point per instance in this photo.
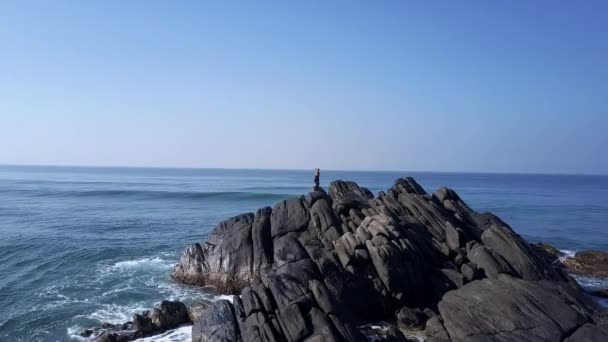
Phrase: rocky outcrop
[588,263]
[592,263]
[168,315]
[314,268]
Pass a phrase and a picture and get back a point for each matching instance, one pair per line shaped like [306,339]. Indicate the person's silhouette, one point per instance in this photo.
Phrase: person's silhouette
[317,174]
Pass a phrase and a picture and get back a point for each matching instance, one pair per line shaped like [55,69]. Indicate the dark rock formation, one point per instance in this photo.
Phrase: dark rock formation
[216,324]
[589,332]
[315,267]
[408,317]
[549,253]
[168,315]
[603,293]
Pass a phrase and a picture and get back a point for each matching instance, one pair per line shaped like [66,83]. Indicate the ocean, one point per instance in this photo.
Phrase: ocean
[80,246]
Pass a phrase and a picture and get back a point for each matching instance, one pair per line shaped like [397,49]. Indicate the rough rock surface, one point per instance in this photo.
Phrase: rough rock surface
[540,311]
[315,267]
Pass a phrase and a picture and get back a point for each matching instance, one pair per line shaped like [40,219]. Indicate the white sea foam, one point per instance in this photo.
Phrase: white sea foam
[568,253]
[591,282]
[114,313]
[382,328]
[155,263]
[74,333]
[224,297]
[181,334]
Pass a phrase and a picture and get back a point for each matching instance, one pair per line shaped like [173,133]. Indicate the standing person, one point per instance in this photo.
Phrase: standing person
[317,174]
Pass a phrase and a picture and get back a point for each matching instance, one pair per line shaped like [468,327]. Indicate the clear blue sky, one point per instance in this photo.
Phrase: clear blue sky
[498,86]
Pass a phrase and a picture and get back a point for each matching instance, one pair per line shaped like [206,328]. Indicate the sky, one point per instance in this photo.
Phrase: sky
[474,86]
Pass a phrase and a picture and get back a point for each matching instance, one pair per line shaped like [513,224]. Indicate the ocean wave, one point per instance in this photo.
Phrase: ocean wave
[154,263]
[154,194]
[591,282]
[115,313]
[130,269]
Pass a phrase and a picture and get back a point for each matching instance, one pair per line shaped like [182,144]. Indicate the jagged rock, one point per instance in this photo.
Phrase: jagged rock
[348,195]
[314,267]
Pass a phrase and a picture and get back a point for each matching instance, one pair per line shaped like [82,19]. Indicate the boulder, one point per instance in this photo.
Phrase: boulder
[169,315]
[508,309]
[410,317]
[288,216]
[218,323]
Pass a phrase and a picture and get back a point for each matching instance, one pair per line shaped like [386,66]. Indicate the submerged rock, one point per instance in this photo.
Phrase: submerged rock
[592,263]
[312,268]
[169,315]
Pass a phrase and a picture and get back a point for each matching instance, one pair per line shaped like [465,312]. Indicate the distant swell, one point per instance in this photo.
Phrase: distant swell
[183,195]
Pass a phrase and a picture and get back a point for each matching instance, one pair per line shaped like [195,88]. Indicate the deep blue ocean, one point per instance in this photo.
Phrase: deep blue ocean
[81,245]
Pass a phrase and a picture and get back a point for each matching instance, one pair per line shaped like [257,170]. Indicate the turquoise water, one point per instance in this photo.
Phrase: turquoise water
[80,246]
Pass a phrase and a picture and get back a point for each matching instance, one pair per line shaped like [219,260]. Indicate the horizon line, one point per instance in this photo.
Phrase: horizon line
[297,169]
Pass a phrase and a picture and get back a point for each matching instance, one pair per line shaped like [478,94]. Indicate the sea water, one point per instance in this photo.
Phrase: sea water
[80,246]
